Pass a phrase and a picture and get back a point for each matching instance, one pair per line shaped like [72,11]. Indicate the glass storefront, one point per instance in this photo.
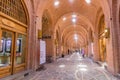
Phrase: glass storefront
[13,36]
[5,48]
[20,49]
[12,52]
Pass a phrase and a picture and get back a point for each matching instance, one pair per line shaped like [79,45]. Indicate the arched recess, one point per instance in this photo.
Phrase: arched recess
[14,22]
[96,50]
[102,40]
[47,34]
[57,44]
[46,24]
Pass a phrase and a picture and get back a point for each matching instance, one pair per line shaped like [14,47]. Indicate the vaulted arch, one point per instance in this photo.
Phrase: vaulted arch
[15,9]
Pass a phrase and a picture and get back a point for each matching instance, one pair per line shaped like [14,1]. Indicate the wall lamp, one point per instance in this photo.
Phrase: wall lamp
[39,34]
[107,32]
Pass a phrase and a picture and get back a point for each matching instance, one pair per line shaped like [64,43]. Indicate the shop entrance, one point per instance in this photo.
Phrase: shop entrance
[102,40]
[102,45]
[13,36]
[12,52]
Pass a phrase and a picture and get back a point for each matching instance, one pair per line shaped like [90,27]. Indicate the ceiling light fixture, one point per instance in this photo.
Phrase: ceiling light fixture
[74,15]
[88,1]
[74,20]
[75,37]
[71,1]
[64,18]
[56,3]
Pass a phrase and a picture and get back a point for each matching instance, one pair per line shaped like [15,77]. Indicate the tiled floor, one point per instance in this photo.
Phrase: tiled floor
[72,67]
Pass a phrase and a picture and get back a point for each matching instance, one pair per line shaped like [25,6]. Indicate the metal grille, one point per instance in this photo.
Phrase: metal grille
[14,9]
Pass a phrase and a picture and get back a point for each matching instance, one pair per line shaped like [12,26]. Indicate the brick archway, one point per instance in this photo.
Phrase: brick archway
[47,34]
[102,40]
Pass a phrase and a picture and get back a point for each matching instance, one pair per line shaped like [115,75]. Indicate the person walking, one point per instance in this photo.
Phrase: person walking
[83,53]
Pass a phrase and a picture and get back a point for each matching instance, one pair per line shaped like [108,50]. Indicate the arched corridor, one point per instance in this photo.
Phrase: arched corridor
[34,33]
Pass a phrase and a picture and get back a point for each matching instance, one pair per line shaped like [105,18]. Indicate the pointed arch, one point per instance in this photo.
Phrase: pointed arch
[46,23]
[15,9]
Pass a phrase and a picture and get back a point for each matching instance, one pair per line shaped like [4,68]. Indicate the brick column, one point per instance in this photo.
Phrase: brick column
[96,48]
[115,35]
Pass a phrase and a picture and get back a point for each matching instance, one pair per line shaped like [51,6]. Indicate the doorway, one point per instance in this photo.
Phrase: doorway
[6,50]
[102,45]
[12,52]
[102,39]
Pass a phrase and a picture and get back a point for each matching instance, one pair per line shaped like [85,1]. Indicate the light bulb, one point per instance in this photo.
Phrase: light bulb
[56,3]
[88,1]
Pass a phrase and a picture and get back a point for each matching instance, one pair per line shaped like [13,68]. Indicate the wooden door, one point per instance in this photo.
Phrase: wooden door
[6,52]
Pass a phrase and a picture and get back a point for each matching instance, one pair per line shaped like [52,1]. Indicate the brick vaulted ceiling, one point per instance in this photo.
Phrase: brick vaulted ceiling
[86,16]
[77,6]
